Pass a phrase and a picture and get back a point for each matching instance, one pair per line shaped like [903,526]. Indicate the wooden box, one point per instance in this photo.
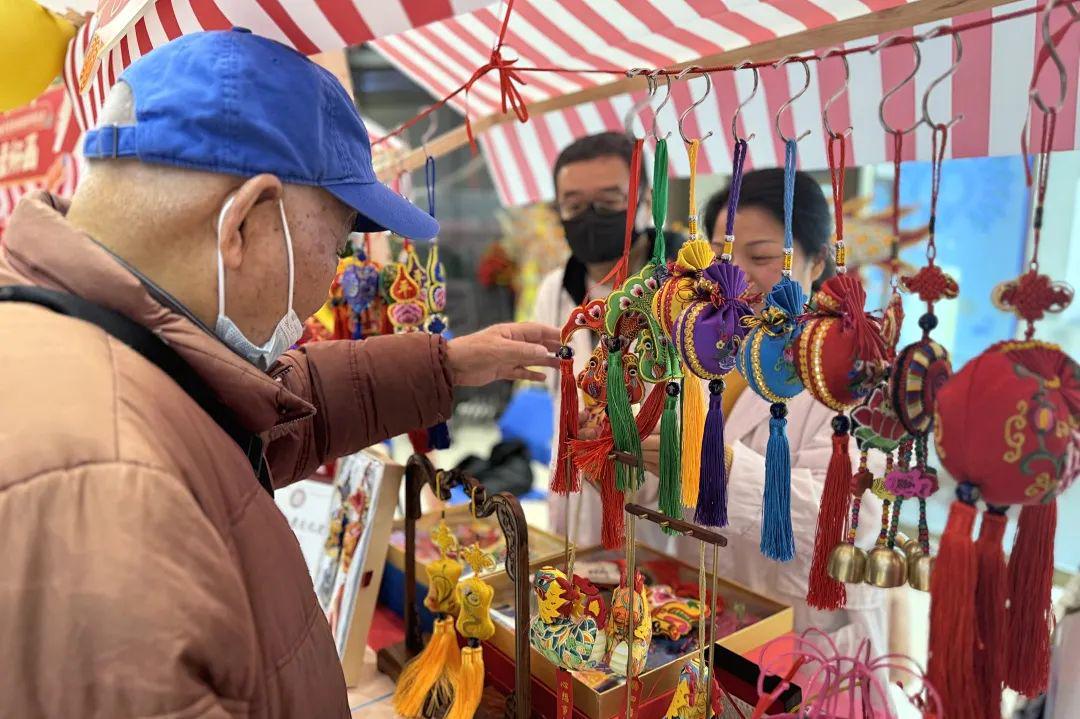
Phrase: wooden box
[754,620]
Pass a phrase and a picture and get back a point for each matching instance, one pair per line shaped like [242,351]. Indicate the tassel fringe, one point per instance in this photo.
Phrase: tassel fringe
[991,592]
[1031,578]
[712,493]
[670,462]
[433,671]
[561,483]
[777,535]
[470,684]
[952,616]
[825,592]
[693,430]
[622,421]
[439,436]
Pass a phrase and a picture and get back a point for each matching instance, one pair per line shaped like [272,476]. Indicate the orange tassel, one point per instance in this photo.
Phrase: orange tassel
[432,674]
[612,502]
[1031,577]
[991,591]
[469,688]
[952,616]
[564,479]
[825,592]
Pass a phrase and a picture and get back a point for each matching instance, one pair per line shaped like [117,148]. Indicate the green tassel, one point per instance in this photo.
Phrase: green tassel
[670,458]
[623,428]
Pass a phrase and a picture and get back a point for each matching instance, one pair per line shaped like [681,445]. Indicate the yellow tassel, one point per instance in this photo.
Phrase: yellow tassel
[470,684]
[693,429]
[435,671]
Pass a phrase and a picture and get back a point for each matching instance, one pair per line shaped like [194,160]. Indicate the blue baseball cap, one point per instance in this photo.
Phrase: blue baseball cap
[238,104]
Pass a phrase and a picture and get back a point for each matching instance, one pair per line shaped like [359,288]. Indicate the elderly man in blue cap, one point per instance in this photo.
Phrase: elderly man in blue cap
[150,402]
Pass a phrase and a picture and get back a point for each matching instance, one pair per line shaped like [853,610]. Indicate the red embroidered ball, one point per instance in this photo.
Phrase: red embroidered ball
[1009,422]
[840,354]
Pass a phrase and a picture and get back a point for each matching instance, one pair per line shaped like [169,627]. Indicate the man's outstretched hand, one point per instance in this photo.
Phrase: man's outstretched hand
[503,351]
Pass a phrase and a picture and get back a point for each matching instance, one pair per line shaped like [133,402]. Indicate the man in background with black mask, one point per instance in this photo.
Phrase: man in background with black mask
[592,187]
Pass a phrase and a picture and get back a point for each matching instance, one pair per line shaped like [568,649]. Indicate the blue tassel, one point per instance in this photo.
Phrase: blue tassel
[711,508]
[439,436]
[777,537]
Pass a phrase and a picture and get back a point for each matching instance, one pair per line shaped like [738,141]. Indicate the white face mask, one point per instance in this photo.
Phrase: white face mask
[289,328]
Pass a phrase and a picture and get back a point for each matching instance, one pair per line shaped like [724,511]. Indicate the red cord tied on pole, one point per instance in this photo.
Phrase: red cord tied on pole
[509,79]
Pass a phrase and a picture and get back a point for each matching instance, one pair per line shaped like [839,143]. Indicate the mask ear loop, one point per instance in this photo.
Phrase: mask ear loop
[288,252]
[220,257]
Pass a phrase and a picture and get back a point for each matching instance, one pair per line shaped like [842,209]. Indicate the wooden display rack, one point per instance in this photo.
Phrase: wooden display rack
[419,472]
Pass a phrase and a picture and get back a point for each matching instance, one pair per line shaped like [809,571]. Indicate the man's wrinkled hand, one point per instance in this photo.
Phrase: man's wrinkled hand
[504,351]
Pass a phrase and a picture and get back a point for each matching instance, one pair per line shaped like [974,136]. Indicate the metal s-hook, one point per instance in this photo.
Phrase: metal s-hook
[667,98]
[787,104]
[889,42]
[958,46]
[836,96]
[734,130]
[696,103]
[1051,49]
[628,121]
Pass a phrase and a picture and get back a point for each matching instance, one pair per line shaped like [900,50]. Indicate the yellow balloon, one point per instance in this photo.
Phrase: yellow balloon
[32,45]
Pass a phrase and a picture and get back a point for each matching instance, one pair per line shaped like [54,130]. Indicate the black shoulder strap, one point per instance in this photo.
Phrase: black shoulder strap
[154,350]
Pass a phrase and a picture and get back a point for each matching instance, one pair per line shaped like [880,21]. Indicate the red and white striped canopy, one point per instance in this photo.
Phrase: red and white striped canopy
[989,88]
[310,26]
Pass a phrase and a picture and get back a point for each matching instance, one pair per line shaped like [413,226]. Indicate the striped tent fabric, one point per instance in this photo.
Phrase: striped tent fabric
[310,26]
[989,87]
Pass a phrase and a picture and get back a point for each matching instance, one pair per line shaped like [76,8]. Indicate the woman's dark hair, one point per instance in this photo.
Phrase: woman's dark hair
[811,220]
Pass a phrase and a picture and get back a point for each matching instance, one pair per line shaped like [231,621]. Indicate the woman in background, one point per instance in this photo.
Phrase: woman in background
[759,251]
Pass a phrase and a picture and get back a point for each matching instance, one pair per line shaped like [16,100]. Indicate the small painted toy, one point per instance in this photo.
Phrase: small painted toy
[569,629]
[629,637]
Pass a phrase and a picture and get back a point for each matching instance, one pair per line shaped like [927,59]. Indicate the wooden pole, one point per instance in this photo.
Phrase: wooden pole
[900,17]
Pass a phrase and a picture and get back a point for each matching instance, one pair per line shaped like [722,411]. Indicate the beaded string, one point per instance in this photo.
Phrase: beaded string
[921,459]
[1046,144]
[856,503]
[836,174]
[790,151]
[905,465]
[738,160]
[886,504]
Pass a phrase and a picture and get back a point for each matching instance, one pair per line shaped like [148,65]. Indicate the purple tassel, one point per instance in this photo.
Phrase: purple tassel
[439,436]
[711,508]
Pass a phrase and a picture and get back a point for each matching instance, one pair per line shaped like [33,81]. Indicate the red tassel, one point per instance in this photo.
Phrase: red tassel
[825,592]
[419,440]
[991,591]
[952,617]
[564,480]
[611,509]
[1031,577]
[591,455]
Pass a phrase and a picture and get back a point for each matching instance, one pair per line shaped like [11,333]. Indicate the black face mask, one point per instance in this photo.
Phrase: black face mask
[596,236]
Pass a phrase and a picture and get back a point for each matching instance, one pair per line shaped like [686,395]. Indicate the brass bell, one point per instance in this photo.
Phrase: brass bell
[847,563]
[919,564]
[919,567]
[885,568]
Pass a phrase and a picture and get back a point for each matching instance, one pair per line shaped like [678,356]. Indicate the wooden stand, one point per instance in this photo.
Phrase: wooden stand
[418,472]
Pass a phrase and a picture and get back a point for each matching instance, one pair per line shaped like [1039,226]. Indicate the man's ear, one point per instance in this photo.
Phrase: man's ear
[258,189]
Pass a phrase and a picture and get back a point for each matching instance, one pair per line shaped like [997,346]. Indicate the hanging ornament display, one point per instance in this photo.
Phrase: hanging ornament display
[474,625]
[766,360]
[434,291]
[1021,400]
[707,335]
[630,316]
[840,358]
[431,677]
[403,288]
